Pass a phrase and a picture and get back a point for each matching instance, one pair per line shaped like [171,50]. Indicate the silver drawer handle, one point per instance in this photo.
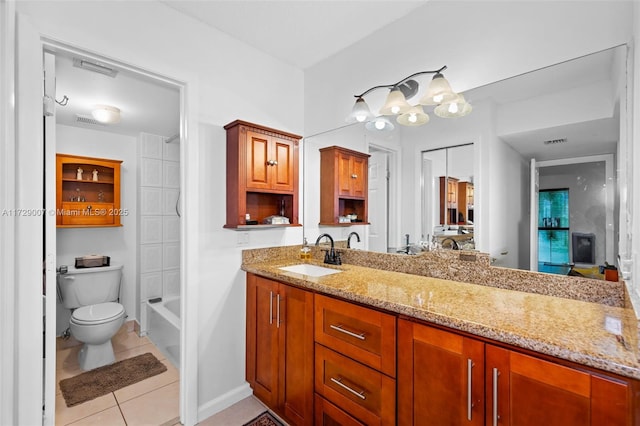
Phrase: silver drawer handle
[338,382]
[469,388]
[496,373]
[271,307]
[350,333]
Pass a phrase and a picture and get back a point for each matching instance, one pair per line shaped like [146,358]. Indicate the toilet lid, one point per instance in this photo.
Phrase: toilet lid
[100,312]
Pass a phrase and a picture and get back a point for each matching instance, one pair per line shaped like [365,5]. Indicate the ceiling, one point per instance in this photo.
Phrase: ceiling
[146,105]
[589,137]
[298,32]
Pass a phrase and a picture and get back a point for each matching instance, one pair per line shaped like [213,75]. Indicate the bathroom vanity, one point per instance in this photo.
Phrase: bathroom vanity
[385,347]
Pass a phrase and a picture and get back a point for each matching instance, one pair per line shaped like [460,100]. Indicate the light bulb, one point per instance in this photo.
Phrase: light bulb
[412,117]
[361,117]
[379,124]
[395,109]
[438,98]
[453,107]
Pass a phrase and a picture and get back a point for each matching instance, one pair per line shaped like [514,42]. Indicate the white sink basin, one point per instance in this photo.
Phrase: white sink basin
[310,270]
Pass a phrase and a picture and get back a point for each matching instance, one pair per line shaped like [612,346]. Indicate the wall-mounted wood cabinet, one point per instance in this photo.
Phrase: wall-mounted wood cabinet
[87,192]
[262,174]
[343,185]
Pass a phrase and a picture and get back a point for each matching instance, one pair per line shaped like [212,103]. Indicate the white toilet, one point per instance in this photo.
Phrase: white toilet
[92,294]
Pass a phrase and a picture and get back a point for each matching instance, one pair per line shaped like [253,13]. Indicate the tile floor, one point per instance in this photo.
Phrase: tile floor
[154,401]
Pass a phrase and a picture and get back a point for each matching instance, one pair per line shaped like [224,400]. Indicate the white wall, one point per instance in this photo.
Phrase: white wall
[254,87]
[118,243]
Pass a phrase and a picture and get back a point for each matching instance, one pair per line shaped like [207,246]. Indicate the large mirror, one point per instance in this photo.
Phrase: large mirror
[559,116]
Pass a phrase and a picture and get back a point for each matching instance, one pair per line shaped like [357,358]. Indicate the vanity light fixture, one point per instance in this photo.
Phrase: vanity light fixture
[456,107]
[380,123]
[414,117]
[448,104]
[106,114]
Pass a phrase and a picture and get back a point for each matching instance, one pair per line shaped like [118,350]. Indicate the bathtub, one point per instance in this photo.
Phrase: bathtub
[163,327]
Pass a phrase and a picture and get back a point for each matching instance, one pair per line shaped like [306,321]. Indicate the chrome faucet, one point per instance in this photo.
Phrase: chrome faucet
[454,243]
[349,238]
[331,256]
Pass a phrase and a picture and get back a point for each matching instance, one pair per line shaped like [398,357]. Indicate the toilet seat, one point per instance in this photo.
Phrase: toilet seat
[97,314]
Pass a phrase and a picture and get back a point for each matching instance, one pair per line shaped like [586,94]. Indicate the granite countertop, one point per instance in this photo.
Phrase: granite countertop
[593,334]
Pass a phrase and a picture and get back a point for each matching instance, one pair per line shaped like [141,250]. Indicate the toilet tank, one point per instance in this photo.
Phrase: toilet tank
[88,286]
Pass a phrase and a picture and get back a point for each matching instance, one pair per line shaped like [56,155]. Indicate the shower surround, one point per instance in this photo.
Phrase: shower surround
[158,229]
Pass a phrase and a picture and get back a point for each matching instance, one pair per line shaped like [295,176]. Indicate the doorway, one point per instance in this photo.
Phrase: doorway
[588,196]
[73,131]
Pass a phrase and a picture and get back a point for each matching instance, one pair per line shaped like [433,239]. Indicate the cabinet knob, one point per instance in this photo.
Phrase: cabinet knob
[272,163]
[354,176]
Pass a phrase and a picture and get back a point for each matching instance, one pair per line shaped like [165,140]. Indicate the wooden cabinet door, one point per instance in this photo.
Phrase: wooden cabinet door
[283,168]
[344,174]
[352,175]
[359,172]
[279,364]
[523,390]
[440,377]
[270,163]
[296,359]
[258,158]
[262,338]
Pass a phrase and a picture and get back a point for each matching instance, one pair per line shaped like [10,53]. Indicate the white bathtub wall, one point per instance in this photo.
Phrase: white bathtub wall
[119,243]
[159,235]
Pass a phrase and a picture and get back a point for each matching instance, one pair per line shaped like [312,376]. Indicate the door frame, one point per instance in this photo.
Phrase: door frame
[610,243]
[188,227]
[393,183]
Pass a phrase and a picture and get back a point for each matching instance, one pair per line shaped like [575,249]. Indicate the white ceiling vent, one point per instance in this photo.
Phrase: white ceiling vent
[555,141]
[95,67]
[85,119]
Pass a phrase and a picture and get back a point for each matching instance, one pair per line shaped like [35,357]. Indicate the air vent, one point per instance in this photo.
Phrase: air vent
[555,141]
[95,67]
[84,119]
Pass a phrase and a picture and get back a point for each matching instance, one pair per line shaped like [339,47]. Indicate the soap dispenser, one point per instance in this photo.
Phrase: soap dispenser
[305,251]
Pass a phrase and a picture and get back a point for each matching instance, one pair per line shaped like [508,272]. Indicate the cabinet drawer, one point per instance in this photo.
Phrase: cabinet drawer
[364,393]
[87,213]
[328,414]
[363,334]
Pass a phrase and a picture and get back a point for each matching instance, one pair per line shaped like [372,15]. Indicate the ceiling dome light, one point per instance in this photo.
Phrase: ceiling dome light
[106,114]
[458,107]
[414,117]
[439,91]
[380,124]
[360,112]
[395,103]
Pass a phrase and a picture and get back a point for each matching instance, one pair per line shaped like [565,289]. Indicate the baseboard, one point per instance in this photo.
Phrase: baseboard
[224,401]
